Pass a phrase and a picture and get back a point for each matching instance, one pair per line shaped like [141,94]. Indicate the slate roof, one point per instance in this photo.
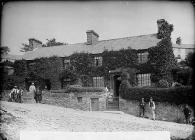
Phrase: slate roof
[12,57]
[135,42]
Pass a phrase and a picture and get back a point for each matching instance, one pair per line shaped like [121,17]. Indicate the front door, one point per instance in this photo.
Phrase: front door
[94,104]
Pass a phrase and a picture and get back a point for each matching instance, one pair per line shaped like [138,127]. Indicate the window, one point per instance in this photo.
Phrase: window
[98,81]
[66,63]
[144,79]
[142,57]
[79,99]
[97,61]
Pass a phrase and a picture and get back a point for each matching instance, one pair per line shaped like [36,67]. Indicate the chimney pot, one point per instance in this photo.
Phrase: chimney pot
[92,37]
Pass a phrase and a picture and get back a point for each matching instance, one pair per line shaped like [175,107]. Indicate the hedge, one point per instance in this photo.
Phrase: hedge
[175,95]
[79,89]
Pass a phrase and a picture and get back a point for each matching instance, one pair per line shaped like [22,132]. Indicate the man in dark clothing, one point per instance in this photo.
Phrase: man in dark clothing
[142,108]
[187,113]
[38,95]
[19,95]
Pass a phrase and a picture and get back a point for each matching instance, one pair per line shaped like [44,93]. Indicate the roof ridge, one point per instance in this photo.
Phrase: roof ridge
[127,37]
[102,40]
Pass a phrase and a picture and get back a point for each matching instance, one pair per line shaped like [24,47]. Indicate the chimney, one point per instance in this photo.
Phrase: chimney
[34,43]
[92,37]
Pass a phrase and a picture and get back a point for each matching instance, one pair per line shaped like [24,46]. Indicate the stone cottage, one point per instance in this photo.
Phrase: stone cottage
[99,73]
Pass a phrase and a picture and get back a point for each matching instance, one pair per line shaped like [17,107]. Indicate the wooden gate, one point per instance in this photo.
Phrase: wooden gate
[112,103]
[94,104]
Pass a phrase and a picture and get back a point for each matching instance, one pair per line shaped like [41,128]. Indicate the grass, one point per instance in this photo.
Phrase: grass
[164,111]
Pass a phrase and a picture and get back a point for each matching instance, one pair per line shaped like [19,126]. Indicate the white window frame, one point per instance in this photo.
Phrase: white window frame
[144,79]
[99,60]
[98,81]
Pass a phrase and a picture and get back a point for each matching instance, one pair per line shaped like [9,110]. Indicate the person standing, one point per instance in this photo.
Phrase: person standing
[13,94]
[152,107]
[187,113]
[142,108]
[38,95]
[32,90]
[19,95]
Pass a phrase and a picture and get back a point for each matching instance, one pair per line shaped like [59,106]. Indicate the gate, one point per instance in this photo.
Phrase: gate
[112,103]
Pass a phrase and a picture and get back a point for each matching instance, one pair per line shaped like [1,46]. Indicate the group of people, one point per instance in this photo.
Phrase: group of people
[16,95]
[151,106]
[186,110]
[37,92]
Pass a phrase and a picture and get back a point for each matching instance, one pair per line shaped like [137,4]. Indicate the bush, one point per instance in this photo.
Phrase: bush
[163,83]
[176,95]
[79,89]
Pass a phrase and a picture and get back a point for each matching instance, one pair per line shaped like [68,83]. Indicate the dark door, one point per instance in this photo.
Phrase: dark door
[94,104]
[117,83]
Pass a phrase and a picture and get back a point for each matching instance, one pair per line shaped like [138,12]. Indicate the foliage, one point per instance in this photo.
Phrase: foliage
[178,40]
[189,59]
[79,89]
[45,67]
[163,60]
[177,95]
[52,42]
[11,80]
[67,74]
[184,76]
[4,49]
[164,30]
[19,68]
[26,48]
[163,83]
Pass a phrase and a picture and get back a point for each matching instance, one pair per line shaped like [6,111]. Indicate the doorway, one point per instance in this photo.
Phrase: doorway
[117,82]
[94,104]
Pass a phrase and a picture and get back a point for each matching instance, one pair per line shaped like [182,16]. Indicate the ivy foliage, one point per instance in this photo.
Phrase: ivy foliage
[45,67]
[162,60]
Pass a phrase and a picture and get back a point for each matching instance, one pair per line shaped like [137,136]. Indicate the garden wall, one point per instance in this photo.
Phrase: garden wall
[164,111]
[169,102]
[76,100]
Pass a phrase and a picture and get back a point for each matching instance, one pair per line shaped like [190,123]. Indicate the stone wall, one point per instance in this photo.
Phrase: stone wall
[70,100]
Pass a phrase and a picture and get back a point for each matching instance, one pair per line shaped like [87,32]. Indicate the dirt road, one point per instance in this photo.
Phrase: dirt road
[44,117]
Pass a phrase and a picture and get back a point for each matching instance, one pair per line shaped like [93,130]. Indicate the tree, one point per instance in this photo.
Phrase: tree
[189,59]
[178,41]
[4,50]
[52,42]
[163,60]
[26,48]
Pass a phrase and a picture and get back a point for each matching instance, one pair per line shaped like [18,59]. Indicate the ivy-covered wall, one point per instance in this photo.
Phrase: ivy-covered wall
[82,65]
[46,68]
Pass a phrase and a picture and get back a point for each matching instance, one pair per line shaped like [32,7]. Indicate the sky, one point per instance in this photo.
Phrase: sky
[69,21]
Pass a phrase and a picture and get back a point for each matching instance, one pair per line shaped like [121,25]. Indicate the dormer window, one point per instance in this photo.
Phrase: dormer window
[142,57]
[98,61]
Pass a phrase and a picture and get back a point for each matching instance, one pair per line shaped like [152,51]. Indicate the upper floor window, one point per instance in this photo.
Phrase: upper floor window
[142,57]
[66,63]
[98,61]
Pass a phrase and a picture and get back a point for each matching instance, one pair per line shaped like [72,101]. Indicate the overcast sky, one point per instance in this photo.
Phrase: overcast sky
[69,21]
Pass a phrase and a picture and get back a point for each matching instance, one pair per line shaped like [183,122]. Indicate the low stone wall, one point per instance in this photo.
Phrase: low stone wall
[70,100]
[164,111]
